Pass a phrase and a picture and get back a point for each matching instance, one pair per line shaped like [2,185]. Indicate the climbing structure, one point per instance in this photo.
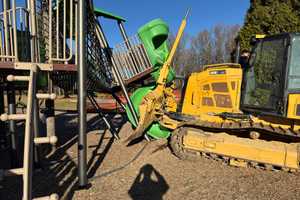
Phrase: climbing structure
[40,45]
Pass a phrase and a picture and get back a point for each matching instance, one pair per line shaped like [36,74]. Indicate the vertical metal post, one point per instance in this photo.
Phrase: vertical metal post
[82,146]
[50,112]
[2,106]
[122,30]
[28,140]
[2,110]
[11,101]
[34,58]
[33,30]
[2,124]
[6,5]
[124,35]
[36,130]
[50,119]
[50,31]
[15,30]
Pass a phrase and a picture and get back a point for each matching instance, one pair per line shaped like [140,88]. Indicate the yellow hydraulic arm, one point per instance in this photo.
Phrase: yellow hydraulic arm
[166,67]
[152,103]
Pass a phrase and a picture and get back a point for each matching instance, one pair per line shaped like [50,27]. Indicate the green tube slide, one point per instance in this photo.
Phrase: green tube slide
[154,36]
[155,130]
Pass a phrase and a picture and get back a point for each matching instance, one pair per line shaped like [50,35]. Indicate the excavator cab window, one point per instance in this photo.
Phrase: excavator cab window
[294,70]
[263,86]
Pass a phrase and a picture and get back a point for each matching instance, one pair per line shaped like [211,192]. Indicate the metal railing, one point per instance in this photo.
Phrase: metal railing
[62,27]
[131,58]
[50,27]
[14,31]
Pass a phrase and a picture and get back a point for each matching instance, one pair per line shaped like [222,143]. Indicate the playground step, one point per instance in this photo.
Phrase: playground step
[46,96]
[17,78]
[6,117]
[46,140]
[51,197]
[12,172]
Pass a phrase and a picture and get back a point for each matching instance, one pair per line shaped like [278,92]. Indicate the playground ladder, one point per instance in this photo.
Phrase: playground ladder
[29,140]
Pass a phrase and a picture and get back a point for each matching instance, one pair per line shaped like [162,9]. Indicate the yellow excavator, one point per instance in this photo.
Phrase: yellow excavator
[245,117]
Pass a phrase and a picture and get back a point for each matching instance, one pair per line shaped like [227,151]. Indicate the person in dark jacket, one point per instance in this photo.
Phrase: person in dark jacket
[244,59]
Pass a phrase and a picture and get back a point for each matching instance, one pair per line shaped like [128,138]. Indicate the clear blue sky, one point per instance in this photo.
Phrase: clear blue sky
[204,14]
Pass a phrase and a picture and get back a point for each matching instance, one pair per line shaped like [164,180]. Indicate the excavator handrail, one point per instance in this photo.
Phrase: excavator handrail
[227,65]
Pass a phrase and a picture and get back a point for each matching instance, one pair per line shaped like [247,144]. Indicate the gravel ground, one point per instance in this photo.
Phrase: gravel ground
[155,174]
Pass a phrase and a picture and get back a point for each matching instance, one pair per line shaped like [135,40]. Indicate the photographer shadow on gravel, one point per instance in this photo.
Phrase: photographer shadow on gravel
[149,184]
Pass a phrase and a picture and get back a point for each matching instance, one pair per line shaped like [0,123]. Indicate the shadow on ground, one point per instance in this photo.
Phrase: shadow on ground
[149,184]
[59,168]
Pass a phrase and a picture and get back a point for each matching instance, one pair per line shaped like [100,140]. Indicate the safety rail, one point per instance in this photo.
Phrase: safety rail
[48,34]
[14,31]
[131,58]
[49,29]
[62,33]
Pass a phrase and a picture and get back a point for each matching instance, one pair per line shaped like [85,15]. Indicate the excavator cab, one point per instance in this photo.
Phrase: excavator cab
[271,82]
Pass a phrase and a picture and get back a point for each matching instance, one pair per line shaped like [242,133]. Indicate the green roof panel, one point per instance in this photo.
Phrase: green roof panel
[101,13]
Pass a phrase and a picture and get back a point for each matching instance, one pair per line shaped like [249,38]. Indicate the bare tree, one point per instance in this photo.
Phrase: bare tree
[219,32]
[201,46]
[230,43]
[207,47]
[182,61]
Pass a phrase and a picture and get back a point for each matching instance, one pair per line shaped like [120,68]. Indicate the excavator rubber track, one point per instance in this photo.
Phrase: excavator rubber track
[190,143]
[244,125]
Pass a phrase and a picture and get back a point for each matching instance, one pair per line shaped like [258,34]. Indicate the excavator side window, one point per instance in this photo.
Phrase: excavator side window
[263,80]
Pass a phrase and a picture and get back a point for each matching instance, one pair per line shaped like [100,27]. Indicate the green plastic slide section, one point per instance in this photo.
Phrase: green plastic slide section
[155,130]
[154,36]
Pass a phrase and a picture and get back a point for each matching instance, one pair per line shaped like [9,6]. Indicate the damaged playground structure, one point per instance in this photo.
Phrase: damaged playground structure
[246,115]
[46,44]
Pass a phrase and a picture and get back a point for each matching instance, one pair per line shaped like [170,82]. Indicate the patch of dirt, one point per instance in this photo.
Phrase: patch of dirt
[155,174]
